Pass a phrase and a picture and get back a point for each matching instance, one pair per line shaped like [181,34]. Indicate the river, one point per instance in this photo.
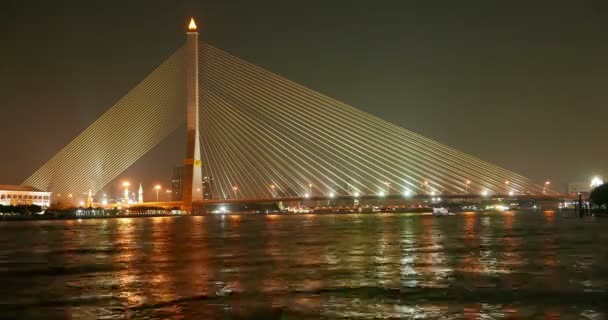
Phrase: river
[512,265]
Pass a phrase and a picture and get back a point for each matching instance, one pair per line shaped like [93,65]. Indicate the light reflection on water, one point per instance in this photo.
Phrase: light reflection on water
[516,265]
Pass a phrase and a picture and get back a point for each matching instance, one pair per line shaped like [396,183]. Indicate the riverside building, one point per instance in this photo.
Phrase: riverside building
[23,195]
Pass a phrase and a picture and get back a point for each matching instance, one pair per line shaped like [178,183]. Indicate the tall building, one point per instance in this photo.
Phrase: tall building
[579,187]
[177,183]
[207,188]
[140,193]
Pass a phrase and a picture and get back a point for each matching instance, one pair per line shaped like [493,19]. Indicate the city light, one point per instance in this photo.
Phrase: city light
[192,26]
[596,182]
[332,195]
[307,195]
[407,193]
[546,186]
[356,194]
[157,188]
[485,193]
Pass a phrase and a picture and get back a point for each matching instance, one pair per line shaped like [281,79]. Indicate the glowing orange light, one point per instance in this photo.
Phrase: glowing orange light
[192,26]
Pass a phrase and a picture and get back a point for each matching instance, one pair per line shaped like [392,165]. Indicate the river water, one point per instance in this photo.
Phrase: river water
[513,265]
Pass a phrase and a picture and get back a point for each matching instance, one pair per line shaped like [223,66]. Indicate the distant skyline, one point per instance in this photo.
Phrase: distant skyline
[521,86]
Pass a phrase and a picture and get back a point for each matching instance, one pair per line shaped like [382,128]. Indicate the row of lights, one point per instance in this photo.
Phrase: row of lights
[406,193]
[596,181]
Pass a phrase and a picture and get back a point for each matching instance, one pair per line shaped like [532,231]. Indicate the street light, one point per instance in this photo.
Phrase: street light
[547,186]
[310,188]
[272,187]
[235,189]
[387,184]
[596,182]
[507,186]
[466,186]
[157,188]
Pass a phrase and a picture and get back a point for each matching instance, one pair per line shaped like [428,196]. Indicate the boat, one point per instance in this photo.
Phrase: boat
[441,211]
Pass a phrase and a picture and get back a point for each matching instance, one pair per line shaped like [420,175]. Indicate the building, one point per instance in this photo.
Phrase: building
[23,195]
[579,187]
[207,188]
[177,183]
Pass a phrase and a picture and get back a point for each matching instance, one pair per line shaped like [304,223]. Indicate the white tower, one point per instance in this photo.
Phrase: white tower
[140,198]
[193,177]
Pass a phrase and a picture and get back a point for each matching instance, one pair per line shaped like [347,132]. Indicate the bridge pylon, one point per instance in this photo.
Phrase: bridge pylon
[193,177]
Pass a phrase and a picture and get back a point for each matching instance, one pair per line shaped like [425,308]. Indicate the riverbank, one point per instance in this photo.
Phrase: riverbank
[61,217]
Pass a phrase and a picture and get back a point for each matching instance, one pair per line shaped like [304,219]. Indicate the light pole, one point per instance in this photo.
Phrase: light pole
[310,189]
[507,187]
[547,186]
[168,192]
[235,189]
[157,188]
[272,187]
[387,185]
[466,186]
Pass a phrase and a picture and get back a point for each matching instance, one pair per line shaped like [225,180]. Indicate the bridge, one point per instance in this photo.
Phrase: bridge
[353,199]
[255,136]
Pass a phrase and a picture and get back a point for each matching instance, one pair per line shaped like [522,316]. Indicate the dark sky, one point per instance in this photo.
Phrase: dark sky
[522,84]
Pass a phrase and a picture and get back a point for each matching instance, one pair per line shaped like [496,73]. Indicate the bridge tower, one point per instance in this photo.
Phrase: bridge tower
[193,177]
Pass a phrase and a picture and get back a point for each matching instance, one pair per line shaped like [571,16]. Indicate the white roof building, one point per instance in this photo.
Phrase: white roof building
[23,195]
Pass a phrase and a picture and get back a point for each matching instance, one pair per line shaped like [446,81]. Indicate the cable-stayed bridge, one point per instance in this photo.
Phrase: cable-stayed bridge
[256,135]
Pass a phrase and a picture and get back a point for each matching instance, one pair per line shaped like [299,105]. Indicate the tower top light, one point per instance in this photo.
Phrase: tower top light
[192,26]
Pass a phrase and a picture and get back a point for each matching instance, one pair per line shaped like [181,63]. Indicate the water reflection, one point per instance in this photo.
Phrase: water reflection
[475,266]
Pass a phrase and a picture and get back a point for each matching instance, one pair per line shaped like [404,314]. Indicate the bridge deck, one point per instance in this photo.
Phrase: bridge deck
[178,204]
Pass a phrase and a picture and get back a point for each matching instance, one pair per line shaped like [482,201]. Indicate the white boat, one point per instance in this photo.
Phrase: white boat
[441,211]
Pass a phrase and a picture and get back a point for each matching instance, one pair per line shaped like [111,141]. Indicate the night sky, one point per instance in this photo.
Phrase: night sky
[523,84]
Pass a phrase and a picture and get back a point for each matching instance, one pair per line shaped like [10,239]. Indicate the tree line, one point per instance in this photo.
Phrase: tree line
[21,209]
[599,196]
